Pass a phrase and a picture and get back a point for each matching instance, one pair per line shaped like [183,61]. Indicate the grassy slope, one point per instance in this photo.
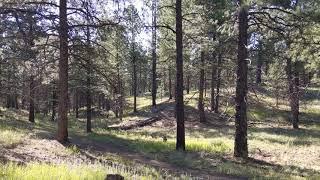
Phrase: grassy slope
[277,151]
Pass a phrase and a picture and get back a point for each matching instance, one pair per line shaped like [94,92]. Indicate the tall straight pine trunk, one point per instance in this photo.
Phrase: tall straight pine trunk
[218,83]
[134,82]
[31,99]
[170,84]
[201,89]
[241,145]
[154,53]
[54,104]
[88,83]
[213,78]
[180,144]
[62,135]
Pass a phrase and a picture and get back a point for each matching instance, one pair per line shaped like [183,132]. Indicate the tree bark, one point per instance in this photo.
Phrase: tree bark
[31,99]
[134,80]
[54,104]
[154,53]
[16,102]
[188,84]
[170,84]
[88,83]
[89,100]
[180,143]
[62,135]
[241,145]
[77,103]
[201,88]
[218,80]
[213,78]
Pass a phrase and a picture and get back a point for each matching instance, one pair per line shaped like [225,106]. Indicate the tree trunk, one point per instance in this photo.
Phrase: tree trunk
[154,54]
[8,101]
[134,80]
[205,85]
[31,99]
[241,145]
[88,83]
[188,84]
[218,80]
[201,88]
[89,100]
[213,78]
[77,103]
[62,135]
[180,144]
[54,104]
[16,103]
[170,84]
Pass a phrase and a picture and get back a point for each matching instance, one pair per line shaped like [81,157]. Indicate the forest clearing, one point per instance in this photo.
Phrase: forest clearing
[159,89]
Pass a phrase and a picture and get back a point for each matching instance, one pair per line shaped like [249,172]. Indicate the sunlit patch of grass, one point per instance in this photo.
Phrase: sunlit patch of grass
[197,145]
[47,171]
[10,138]
[150,144]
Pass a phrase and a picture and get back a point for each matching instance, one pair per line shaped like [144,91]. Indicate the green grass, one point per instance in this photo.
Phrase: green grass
[66,172]
[10,138]
[149,144]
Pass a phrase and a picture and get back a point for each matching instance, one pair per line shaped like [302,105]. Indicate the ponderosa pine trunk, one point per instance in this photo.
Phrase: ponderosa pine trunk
[205,86]
[88,98]
[134,86]
[54,104]
[218,81]
[62,135]
[77,103]
[88,83]
[188,84]
[201,89]
[170,84]
[241,144]
[213,78]
[31,99]
[16,103]
[180,143]
[154,53]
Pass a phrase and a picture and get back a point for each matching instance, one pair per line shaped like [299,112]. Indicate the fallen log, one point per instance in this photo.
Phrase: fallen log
[139,123]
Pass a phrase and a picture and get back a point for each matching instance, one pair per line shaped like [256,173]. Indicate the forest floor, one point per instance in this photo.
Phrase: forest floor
[29,151]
